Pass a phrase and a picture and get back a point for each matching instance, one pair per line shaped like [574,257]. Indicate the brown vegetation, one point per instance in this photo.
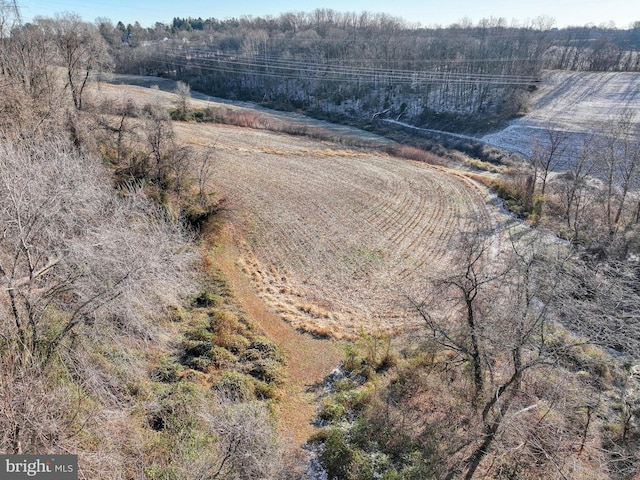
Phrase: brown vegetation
[107,350]
[124,344]
[322,218]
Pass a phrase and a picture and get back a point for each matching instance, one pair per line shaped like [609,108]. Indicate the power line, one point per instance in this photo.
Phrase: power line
[291,69]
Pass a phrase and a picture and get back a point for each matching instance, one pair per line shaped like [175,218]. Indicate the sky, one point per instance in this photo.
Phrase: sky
[425,12]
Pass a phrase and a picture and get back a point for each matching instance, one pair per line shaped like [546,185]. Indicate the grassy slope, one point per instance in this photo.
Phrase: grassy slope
[308,360]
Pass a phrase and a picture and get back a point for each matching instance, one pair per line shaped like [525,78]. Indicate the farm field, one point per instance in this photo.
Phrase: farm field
[323,238]
[335,238]
[574,102]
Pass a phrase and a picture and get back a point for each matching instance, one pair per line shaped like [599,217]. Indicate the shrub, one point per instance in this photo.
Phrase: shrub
[265,346]
[224,322]
[517,195]
[222,358]
[196,348]
[265,391]
[167,371]
[331,411]
[343,460]
[371,354]
[266,370]
[235,387]
[176,314]
[162,473]
[201,364]
[199,214]
[199,329]
[207,299]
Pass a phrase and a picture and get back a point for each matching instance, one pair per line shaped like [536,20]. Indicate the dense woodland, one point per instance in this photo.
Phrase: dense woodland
[121,341]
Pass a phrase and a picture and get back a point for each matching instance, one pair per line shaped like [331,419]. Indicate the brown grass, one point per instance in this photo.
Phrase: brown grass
[308,360]
[336,235]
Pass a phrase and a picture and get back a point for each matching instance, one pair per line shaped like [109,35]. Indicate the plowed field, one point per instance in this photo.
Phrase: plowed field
[335,237]
[578,103]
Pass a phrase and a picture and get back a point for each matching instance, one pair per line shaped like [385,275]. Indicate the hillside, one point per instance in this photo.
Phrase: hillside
[197,288]
[346,242]
[578,103]
[336,236]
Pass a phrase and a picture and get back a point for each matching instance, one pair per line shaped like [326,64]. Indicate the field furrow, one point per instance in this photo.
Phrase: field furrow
[337,237]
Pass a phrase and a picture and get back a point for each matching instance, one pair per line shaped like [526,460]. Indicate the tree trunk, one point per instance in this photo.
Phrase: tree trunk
[476,357]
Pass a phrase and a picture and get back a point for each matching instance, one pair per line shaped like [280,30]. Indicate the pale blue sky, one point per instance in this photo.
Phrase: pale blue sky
[425,12]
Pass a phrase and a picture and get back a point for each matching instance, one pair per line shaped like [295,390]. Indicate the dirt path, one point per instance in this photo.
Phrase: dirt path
[308,360]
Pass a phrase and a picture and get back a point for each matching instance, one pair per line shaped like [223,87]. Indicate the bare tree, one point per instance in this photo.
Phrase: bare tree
[549,155]
[160,140]
[506,303]
[628,139]
[81,48]
[464,290]
[618,151]
[34,417]
[204,167]
[119,127]
[183,91]
[73,253]
[247,445]
[30,83]
[532,292]
[575,191]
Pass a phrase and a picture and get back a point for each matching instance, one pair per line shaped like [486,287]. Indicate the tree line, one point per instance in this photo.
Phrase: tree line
[443,76]
[106,318]
[87,268]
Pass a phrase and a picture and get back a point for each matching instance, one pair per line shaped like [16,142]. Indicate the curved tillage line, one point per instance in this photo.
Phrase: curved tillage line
[408,237]
[322,236]
[305,239]
[411,214]
[349,233]
[414,244]
[459,201]
[423,233]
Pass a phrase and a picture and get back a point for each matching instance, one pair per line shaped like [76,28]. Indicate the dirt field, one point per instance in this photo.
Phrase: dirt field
[327,238]
[336,237]
[576,102]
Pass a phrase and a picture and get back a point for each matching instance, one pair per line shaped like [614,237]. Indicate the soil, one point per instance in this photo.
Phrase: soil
[308,360]
[579,103]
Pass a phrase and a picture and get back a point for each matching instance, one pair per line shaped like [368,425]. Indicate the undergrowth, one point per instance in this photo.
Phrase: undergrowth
[407,415]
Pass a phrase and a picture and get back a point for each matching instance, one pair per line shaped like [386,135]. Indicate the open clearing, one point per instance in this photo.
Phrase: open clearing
[330,238]
[575,102]
[336,238]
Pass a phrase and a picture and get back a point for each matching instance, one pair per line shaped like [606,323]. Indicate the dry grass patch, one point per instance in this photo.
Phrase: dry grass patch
[341,238]
[339,235]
